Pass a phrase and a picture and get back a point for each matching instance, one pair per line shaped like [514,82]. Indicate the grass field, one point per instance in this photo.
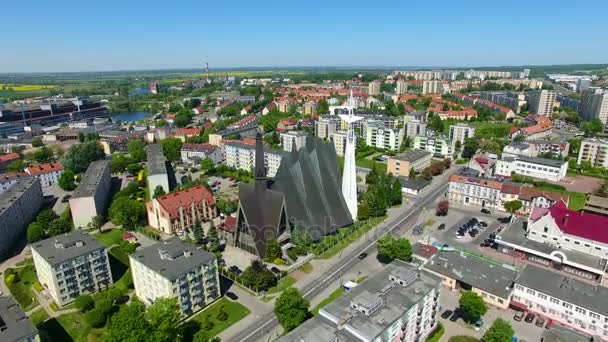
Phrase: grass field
[39,316]
[306,268]
[25,87]
[364,228]
[284,283]
[110,237]
[21,287]
[235,312]
[333,296]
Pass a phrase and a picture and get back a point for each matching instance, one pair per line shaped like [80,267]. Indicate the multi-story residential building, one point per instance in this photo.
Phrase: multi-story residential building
[414,128]
[386,138]
[176,269]
[91,196]
[401,87]
[559,148]
[542,168]
[594,105]
[70,265]
[568,102]
[183,133]
[459,270]
[460,132]
[540,128]
[439,147]
[293,139]
[595,151]
[181,210]
[19,205]
[14,324]
[310,107]
[158,174]
[565,300]
[338,138]
[541,102]
[48,173]
[432,87]
[481,192]
[6,159]
[513,100]
[374,88]
[399,303]
[513,150]
[402,163]
[326,125]
[9,179]
[596,205]
[192,152]
[242,156]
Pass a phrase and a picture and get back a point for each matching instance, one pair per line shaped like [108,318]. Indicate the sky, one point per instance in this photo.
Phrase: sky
[76,35]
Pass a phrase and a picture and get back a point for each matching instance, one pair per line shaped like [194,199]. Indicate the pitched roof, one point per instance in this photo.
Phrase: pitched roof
[207,148]
[584,225]
[44,168]
[528,193]
[9,157]
[183,199]
[4,177]
[188,131]
[229,224]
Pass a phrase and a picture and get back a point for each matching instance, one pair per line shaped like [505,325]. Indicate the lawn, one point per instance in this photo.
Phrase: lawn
[284,283]
[39,316]
[110,237]
[436,335]
[333,296]
[235,312]
[306,268]
[368,164]
[356,234]
[577,200]
[25,87]
[75,325]
[28,261]
[21,286]
[463,339]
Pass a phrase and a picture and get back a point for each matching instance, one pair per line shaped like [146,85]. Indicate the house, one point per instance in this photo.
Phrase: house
[542,168]
[286,124]
[197,152]
[8,158]
[183,133]
[246,110]
[48,173]
[482,164]
[531,198]
[268,108]
[8,179]
[413,186]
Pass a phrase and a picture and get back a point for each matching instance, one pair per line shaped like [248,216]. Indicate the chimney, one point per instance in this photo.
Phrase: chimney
[566,219]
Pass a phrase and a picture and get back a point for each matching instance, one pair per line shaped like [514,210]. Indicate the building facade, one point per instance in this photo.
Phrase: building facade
[189,152]
[70,265]
[481,192]
[326,125]
[553,170]
[401,87]
[338,138]
[293,139]
[242,156]
[91,196]
[460,132]
[386,138]
[541,102]
[439,147]
[402,163]
[48,173]
[415,128]
[374,88]
[594,151]
[432,87]
[594,105]
[158,175]
[175,269]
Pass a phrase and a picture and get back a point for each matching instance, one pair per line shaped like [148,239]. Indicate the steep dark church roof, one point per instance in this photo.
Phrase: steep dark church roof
[311,182]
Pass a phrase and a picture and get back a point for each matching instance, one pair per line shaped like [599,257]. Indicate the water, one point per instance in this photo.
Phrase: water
[131,116]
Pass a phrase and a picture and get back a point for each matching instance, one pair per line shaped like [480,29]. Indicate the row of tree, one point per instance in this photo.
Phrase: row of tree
[382,193]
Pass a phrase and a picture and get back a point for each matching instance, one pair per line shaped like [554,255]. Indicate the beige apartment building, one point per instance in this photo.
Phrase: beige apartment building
[91,196]
[402,163]
[595,151]
[541,102]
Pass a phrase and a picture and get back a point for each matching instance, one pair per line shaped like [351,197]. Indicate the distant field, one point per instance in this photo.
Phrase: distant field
[25,87]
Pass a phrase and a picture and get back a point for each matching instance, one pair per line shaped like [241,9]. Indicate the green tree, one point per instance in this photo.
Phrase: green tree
[499,331]
[84,303]
[412,173]
[161,123]
[390,249]
[129,324]
[198,233]
[95,318]
[119,162]
[473,305]
[470,147]
[45,217]
[396,195]
[16,166]
[79,156]
[171,148]
[323,107]
[43,154]
[158,191]
[137,150]
[97,222]
[402,249]
[164,316]
[35,232]
[207,165]
[291,309]
[127,212]
[258,276]
[213,239]
[60,226]
[592,127]
[66,180]
[363,212]
[273,250]
[512,206]
[37,142]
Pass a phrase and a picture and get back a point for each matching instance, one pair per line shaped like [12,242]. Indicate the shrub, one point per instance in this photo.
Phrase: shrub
[222,315]
[95,318]
[104,306]
[208,324]
[84,303]
[279,261]
[9,279]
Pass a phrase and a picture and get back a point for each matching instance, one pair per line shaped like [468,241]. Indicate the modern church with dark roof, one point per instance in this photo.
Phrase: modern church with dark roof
[304,197]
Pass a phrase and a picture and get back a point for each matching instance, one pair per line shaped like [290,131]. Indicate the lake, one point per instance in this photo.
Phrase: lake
[131,116]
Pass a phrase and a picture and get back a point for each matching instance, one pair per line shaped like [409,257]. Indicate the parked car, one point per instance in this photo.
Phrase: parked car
[455,316]
[441,226]
[234,269]
[66,198]
[446,314]
[518,316]
[362,256]
[222,262]
[485,211]
[529,318]
[232,296]
[540,322]
[458,236]
[275,270]
[483,224]
[484,244]
[478,325]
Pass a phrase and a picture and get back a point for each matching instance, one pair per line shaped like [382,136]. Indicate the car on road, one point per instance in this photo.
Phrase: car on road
[540,322]
[482,224]
[275,270]
[518,316]
[446,314]
[234,269]
[232,296]
[529,318]
[484,244]
[362,256]
[485,211]
[441,226]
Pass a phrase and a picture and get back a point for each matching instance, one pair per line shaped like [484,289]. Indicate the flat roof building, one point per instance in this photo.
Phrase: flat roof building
[158,175]
[14,324]
[91,196]
[402,163]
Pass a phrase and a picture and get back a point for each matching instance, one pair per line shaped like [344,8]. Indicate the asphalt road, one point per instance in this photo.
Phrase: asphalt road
[252,333]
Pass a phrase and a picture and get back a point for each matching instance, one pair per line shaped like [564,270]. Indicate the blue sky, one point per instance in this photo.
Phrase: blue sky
[70,35]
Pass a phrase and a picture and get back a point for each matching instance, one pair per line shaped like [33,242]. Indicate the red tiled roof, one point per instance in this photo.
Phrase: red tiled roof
[528,193]
[9,157]
[11,175]
[208,125]
[127,236]
[229,224]
[44,168]
[188,131]
[208,148]
[584,225]
[170,116]
[172,202]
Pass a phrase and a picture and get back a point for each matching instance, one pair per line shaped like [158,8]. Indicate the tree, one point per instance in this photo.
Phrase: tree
[16,166]
[35,232]
[470,147]
[390,249]
[129,324]
[37,142]
[207,164]
[95,318]
[402,249]
[79,156]
[43,154]
[291,309]
[363,212]
[137,150]
[45,217]
[119,162]
[499,331]
[127,212]
[473,305]
[273,250]
[457,146]
[323,107]
[512,206]
[60,226]
[396,195]
[198,233]
[66,180]
[97,222]
[412,173]
[164,316]
[258,276]
[171,148]
[592,127]
[158,191]
[442,208]
[213,239]
[84,303]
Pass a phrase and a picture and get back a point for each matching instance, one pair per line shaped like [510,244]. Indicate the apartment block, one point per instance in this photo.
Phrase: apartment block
[196,152]
[386,138]
[414,128]
[293,139]
[14,324]
[19,205]
[91,196]
[398,303]
[48,173]
[432,87]
[438,146]
[338,138]
[374,88]
[460,132]
[326,125]
[542,168]
[158,174]
[401,87]
[481,192]
[242,156]
[541,102]
[181,210]
[402,163]
[70,265]
[594,105]
[176,269]
[594,151]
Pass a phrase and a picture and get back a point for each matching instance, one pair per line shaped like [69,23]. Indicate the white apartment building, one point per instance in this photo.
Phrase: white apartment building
[569,301]
[398,303]
[374,88]
[432,87]
[70,265]
[594,105]
[48,173]
[189,152]
[553,170]
[439,147]
[242,156]
[401,87]
[414,128]
[386,138]
[292,139]
[541,102]
[338,138]
[91,196]
[19,205]
[176,269]
[595,151]
[477,191]
[158,175]
[513,150]
[460,132]
[326,125]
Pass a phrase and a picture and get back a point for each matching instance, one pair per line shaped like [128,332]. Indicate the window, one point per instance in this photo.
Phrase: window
[530,291]
[545,230]
[521,288]
[580,310]
[542,296]
[594,315]
[554,300]
[566,305]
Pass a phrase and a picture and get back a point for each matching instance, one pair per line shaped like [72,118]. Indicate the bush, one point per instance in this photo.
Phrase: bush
[84,303]
[104,306]
[279,261]
[95,318]
[437,333]
[9,279]
[222,315]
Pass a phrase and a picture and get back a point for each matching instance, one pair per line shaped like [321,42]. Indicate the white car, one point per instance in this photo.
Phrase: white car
[458,236]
